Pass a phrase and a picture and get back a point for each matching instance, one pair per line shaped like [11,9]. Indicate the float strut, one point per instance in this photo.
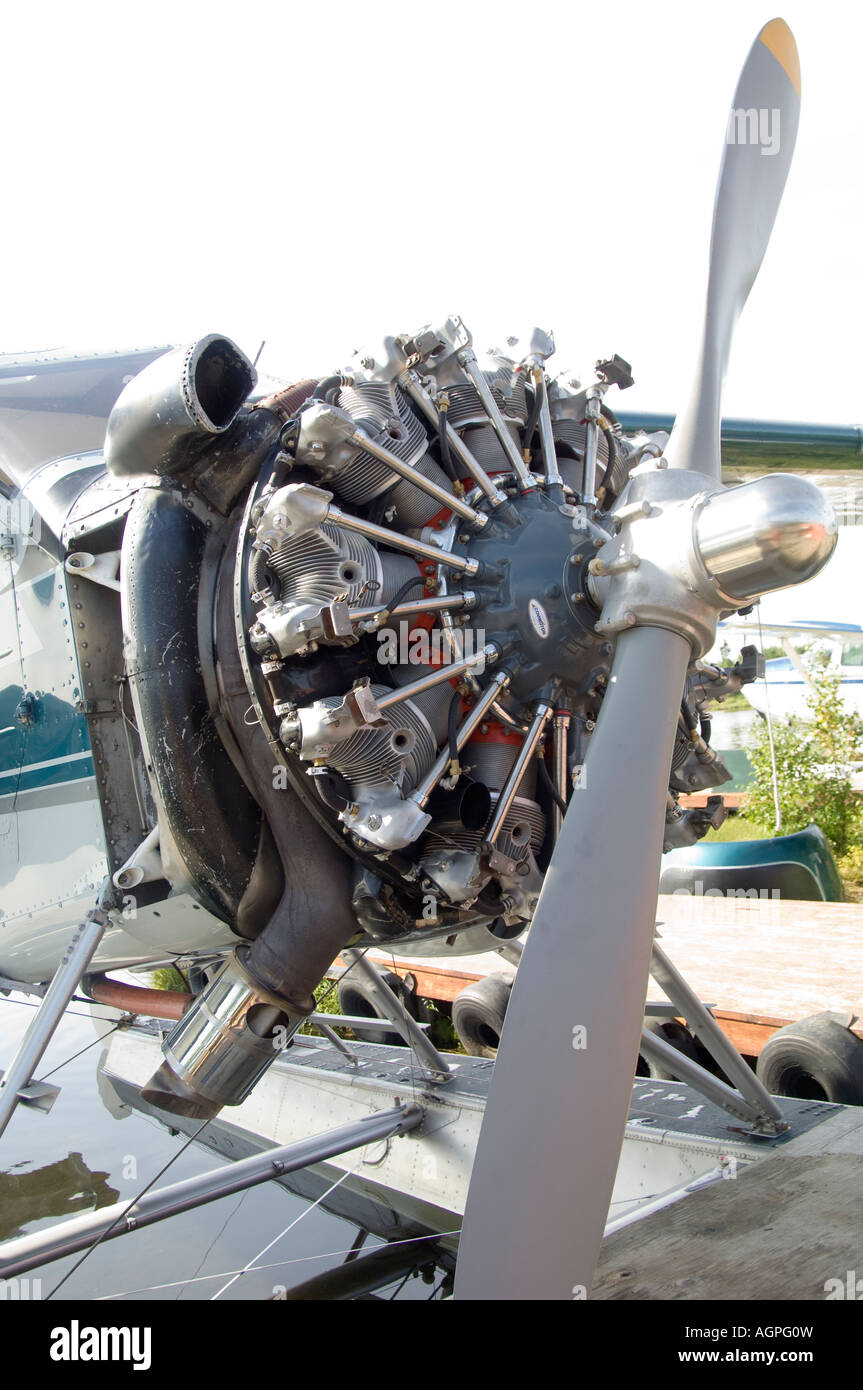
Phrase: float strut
[18,1084]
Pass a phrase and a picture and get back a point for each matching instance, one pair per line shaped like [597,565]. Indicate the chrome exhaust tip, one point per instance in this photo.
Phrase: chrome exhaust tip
[222,1045]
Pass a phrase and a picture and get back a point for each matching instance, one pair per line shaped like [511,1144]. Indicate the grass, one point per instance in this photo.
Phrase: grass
[432,1011]
[732,703]
[738,828]
[851,869]
[170,979]
[326,1002]
[442,1032]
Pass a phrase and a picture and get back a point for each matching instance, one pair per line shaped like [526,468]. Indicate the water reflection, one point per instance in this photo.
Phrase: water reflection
[58,1189]
[97,1147]
[734,728]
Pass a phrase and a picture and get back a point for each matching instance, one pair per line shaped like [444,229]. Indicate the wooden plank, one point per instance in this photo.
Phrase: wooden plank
[744,1239]
[762,963]
[733,800]
[747,1035]
[767,959]
[437,979]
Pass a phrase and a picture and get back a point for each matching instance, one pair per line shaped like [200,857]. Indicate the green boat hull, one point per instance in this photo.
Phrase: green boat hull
[799,867]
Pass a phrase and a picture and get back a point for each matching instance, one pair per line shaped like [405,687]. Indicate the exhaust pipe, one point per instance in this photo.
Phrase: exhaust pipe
[175,406]
[222,1045]
[182,417]
[234,1030]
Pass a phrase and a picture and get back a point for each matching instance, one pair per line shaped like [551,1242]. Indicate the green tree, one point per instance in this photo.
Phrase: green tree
[813,766]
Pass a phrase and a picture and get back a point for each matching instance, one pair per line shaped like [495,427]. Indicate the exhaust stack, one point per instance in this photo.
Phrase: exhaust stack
[181,400]
[222,1045]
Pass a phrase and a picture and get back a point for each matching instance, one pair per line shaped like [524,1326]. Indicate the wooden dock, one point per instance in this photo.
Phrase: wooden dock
[787,1228]
[759,963]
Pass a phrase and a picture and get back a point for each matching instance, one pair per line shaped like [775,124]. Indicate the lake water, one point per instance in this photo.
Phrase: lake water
[82,1155]
[733,728]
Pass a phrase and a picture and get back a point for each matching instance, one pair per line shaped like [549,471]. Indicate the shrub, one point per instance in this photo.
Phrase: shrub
[813,758]
[169,978]
[851,869]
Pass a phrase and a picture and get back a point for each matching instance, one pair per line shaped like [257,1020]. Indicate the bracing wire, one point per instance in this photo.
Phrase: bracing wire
[296,1221]
[95,1043]
[97,1242]
[276,1264]
[770,740]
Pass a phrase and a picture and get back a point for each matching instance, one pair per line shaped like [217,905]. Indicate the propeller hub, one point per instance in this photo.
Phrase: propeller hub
[697,550]
[539,604]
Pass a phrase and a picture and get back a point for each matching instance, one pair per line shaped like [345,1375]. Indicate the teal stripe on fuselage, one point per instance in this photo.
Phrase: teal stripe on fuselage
[29,778]
[44,740]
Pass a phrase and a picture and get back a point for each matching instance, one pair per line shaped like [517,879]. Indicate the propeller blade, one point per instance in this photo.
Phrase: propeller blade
[554,1121]
[760,136]
[553,1128]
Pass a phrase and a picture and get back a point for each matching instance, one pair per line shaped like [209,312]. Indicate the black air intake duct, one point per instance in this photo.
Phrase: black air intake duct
[229,1036]
[204,807]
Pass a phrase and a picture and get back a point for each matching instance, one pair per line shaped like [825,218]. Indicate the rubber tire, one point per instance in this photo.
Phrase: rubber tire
[354,998]
[817,1058]
[478,1014]
[670,1031]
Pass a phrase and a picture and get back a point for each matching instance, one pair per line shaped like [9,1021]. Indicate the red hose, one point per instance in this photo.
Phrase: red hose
[155,1003]
[285,403]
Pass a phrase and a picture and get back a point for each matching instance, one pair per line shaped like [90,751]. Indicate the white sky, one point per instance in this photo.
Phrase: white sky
[320,175]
